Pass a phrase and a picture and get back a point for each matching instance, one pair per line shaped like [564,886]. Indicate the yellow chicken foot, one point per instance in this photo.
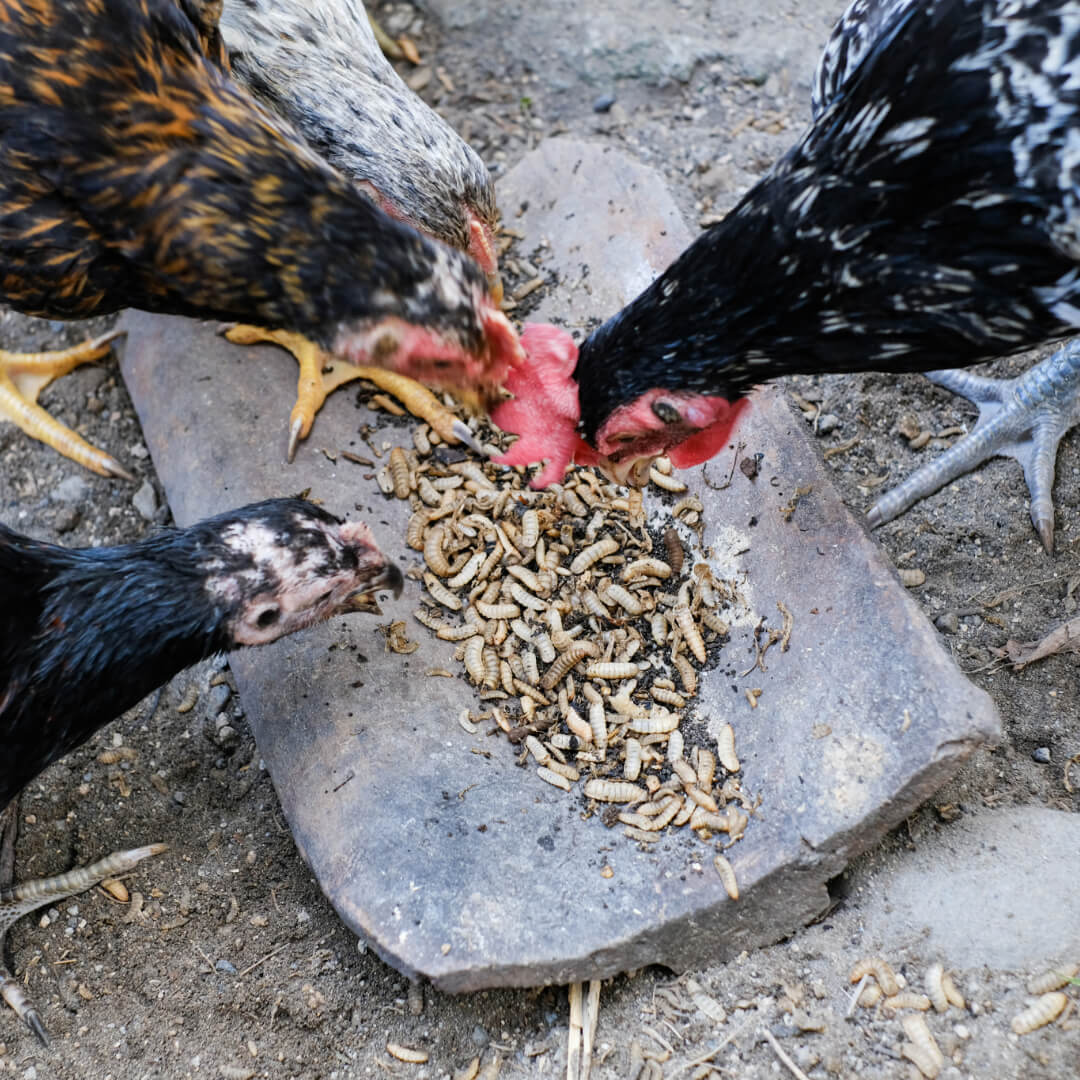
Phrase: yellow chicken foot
[320,374]
[19,900]
[24,375]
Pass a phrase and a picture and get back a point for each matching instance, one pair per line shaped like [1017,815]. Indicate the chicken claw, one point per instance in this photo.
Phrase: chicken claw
[1022,418]
[24,375]
[19,900]
[321,374]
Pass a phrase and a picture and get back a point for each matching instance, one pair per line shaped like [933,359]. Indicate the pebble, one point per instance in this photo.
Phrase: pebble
[71,489]
[948,622]
[480,1036]
[224,965]
[219,697]
[827,423]
[1041,755]
[179,797]
[603,103]
[66,519]
[145,501]
[226,736]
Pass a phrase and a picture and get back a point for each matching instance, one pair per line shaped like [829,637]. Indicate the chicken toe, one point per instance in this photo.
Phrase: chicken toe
[321,374]
[1023,418]
[24,375]
[19,900]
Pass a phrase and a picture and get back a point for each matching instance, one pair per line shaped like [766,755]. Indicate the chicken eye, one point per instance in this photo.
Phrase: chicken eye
[325,596]
[267,617]
[665,412]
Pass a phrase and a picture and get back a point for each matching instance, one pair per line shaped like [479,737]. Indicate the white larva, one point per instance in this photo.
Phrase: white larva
[632,762]
[593,554]
[620,791]
[658,721]
[725,749]
[553,778]
[611,671]
[876,966]
[1040,1013]
[727,876]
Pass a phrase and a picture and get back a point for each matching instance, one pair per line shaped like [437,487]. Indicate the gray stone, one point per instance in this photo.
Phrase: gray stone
[1041,755]
[145,500]
[66,519]
[858,723]
[218,697]
[72,489]
[999,890]
[948,622]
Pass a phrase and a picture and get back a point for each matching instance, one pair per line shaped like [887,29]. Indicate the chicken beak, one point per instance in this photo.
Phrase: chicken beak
[364,599]
[495,286]
[633,472]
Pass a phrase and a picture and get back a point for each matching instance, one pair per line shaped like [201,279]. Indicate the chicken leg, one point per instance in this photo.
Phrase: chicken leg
[321,374]
[19,900]
[24,375]
[1023,418]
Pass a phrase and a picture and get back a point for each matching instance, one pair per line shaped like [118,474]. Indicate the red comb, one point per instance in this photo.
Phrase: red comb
[544,411]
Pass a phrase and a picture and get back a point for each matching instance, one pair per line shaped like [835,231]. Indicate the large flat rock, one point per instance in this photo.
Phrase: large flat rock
[463,868]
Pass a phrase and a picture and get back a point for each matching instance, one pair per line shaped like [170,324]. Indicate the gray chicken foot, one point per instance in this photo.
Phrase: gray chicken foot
[19,900]
[1022,418]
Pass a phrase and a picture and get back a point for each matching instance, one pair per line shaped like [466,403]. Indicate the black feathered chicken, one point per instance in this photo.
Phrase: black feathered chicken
[928,218]
[85,634]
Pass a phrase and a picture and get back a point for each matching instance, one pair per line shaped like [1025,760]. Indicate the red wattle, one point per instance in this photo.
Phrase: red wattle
[708,442]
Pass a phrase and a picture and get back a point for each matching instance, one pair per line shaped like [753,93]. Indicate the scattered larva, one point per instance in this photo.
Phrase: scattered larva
[610,671]
[706,768]
[727,876]
[498,611]
[474,659]
[537,749]
[399,473]
[1054,979]
[406,1053]
[468,571]
[709,1006]
[665,483]
[566,661]
[711,621]
[922,1051]
[116,890]
[702,798]
[676,744]
[457,633]
[870,996]
[687,674]
[645,568]
[466,723]
[526,690]
[725,750]
[625,599]
[527,578]
[620,791]
[598,725]
[553,778]
[441,594]
[578,726]
[526,598]
[433,551]
[632,762]
[530,529]
[545,648]
[421,440]
[653,822]
[593,554]
[952,994]
[684,620]
[385,480]
[936,992]
[907,999]
[414,532]
[1040,1013]
[667,697]
[876,966]
[191,696]
[491,668]
[522,631]
[658,628]
[684,771]
[911,577]
[673,547]
[659,720]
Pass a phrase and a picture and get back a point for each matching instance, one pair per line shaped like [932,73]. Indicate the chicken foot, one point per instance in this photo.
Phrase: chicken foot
[19,900]
[24,375]
[321,374]
[1022,418]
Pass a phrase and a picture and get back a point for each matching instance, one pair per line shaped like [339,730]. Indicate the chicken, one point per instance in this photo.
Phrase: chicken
[85,634]
[139,174]
[927,218]
[318,65]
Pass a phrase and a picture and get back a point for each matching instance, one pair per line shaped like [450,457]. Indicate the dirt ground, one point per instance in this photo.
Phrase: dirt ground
[230,963]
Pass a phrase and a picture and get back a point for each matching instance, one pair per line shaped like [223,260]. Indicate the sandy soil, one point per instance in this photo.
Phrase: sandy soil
[230,962]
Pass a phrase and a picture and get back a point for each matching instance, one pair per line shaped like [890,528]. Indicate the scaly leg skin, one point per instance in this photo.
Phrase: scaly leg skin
[1023,418]
[24,375]
[321,374]
[19,900]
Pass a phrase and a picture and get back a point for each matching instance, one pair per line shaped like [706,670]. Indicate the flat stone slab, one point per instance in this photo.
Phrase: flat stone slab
[462,868]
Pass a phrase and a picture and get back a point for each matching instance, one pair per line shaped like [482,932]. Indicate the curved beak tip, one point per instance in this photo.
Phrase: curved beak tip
[392,578]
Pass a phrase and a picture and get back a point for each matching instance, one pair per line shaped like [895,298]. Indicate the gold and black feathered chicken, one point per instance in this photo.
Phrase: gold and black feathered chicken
[137,173]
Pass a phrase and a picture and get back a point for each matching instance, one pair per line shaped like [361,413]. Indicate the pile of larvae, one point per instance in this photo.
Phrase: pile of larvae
[584,637]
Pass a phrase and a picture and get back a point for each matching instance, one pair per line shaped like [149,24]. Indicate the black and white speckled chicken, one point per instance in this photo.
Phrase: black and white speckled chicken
[928,218]
[318,65]
[85,634]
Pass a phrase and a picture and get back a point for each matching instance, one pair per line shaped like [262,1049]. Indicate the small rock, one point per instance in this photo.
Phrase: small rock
[948,622]
[138,450]
[827,423]
[480,1036]
[66,519]
[219,697]
[1041,755]
[603,103]
[226,736]
[145,501]
[179,797]
[224,965]
[71,489]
